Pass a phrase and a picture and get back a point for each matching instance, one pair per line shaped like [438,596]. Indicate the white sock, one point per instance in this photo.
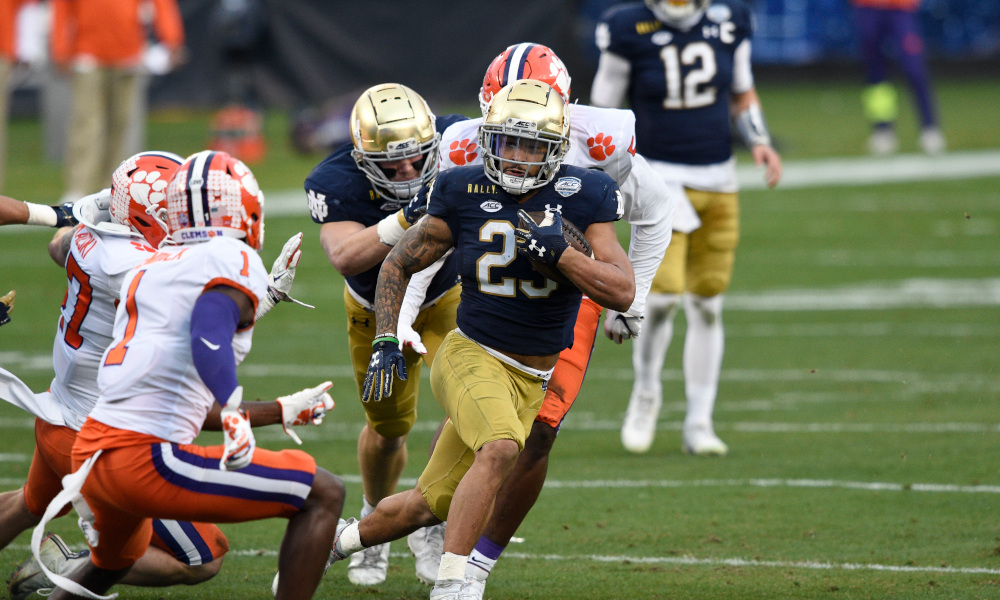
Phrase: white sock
[703,348]
[367,507]
[479,565]
[650,349]
[452,566]
[349,541]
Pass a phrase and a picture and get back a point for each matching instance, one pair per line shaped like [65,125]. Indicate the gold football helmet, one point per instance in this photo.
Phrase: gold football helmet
[682,14]
[391,122]
[524,136]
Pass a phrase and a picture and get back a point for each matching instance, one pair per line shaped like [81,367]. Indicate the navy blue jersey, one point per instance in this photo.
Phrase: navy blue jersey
[506,304]
[680,80]
[337,190]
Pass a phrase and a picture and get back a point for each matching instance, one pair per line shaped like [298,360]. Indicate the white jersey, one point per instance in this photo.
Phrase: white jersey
[599,138]
[602,138]
[95,266]
[148,381]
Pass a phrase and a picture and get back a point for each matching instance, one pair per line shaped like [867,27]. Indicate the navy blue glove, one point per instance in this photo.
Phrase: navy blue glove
[64,215]
[6,305]
[386,356]
[417,207]
[544,243]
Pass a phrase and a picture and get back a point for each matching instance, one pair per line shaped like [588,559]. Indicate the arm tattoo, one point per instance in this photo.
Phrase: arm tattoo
[418,249]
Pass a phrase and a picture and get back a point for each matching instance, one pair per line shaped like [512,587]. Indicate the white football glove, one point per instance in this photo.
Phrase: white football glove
[622,326]
[239,440]
[305,407]
[409,338]
[281,277]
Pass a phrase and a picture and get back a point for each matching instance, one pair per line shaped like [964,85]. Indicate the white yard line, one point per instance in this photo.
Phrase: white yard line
[665,560]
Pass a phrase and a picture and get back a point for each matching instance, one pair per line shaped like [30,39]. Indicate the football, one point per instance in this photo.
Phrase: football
[573,236]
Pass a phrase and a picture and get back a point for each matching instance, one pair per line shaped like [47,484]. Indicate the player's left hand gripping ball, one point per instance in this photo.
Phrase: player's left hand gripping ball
[386,356]
[542,242]
[6,305]
[306,407]
[237,435]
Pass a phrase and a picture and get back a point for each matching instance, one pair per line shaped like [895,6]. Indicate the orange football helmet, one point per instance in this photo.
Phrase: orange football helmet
[524,61]
[214,194]
[139,193]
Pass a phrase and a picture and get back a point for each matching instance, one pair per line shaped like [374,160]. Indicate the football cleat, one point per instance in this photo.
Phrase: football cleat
[639,427]
[524,136]
[139,194]
[700,440]
[882,142]
[932,141]
[448,589]
[214,194]
[369,567]
[474,589]
[390,122]
[524,61]
[57,558]
[427,546]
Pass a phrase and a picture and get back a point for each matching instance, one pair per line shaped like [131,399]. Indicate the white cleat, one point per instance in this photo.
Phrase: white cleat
[932,141]
[474,589]
[882,142]
[369,567]
[427,546]
[57,557]
[701,440]
[455,589]
[639,427]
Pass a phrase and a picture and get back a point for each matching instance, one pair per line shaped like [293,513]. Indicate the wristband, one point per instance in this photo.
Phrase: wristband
[41,215]
[391,228]
[752,128]
[385,338]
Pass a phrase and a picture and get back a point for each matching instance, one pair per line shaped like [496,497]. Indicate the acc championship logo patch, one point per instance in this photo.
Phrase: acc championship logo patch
[567,186]
[662,38]
[490,206]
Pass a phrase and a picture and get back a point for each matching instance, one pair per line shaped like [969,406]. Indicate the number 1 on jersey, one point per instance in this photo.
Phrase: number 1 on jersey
[117,354]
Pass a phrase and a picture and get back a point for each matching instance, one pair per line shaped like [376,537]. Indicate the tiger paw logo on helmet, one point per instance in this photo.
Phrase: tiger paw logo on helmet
[601,146]
[463,152]
[148,186]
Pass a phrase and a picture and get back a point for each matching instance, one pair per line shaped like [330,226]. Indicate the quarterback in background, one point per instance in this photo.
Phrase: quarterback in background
[684,66]
[184,323]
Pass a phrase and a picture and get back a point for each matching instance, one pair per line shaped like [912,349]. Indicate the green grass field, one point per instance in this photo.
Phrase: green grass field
[858,394]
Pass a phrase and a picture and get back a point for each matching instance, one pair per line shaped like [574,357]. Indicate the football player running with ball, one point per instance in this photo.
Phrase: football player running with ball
[600,138]
[184,323]
[491,371]
[685,67]
[365,195]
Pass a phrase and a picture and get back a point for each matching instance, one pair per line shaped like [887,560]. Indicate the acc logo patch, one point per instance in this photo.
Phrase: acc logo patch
[567,186]
[661,38]
[490,206]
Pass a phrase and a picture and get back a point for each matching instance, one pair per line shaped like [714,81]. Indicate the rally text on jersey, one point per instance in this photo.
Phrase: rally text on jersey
[475,188]
[645,27]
